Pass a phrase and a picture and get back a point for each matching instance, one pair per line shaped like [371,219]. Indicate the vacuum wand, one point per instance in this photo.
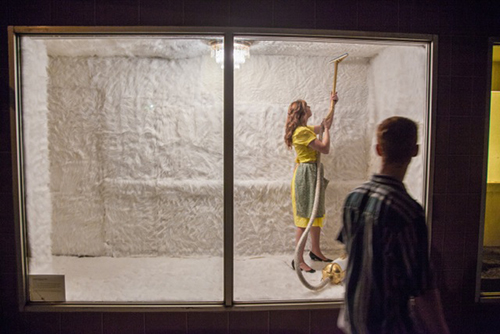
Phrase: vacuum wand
[335,62]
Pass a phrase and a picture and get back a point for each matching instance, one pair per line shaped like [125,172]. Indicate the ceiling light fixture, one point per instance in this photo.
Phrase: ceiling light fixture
[241,51]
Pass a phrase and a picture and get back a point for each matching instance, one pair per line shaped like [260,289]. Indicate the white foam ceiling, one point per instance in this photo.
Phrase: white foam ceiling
[146,46]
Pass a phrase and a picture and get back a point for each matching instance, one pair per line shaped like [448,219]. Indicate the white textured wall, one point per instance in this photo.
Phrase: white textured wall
[137,163]
[36,153]
[397,86]
[135,148]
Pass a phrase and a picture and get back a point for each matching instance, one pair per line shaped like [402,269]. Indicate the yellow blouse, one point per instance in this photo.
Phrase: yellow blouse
[301,138]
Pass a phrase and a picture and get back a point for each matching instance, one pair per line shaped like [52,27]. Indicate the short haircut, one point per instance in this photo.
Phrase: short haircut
[397,137]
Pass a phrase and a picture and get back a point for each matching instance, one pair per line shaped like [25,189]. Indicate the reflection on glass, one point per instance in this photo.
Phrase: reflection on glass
[123,148]
[376,81]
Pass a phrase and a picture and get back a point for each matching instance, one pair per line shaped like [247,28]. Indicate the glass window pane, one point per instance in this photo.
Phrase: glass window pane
[375,81]
[123,162]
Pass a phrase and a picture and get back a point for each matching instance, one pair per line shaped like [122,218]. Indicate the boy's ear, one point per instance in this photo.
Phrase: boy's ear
[415,151]
[378,149]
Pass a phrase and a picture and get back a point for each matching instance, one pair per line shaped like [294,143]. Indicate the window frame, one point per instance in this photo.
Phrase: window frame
[228,303]
[480,296]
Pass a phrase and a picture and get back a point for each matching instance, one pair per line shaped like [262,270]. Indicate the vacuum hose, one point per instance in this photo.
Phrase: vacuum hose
[304,236]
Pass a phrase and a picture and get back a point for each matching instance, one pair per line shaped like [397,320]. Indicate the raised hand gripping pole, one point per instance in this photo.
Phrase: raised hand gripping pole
[331,271]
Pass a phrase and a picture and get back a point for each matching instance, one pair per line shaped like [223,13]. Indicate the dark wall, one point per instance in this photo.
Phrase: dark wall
[463,28]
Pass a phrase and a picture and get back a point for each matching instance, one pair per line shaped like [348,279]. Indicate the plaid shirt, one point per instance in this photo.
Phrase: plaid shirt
[385,235]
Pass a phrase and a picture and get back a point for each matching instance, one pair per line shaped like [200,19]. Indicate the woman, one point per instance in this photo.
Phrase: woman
[303,138]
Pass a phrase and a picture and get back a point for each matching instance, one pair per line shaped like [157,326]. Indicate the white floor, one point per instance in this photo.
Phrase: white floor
[262,278]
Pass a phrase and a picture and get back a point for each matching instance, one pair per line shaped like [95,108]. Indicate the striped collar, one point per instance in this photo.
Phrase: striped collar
[388,180]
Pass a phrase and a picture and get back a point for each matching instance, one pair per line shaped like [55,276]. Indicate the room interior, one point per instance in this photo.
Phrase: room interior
[490,273]
[123,150]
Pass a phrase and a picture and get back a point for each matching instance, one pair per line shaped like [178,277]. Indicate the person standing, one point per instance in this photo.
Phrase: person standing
[386,241]
[303,138]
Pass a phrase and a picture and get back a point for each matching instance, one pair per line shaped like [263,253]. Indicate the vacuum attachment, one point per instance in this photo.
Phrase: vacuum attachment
[339,58]
[335,271]
[335,62]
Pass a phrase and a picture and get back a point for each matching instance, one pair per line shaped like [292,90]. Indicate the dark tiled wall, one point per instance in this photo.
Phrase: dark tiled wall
[463,28]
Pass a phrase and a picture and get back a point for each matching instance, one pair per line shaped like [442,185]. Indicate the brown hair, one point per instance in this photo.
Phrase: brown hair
[296,112]
[397,137]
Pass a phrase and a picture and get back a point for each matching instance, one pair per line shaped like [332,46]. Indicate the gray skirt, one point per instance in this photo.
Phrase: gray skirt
[305,189]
